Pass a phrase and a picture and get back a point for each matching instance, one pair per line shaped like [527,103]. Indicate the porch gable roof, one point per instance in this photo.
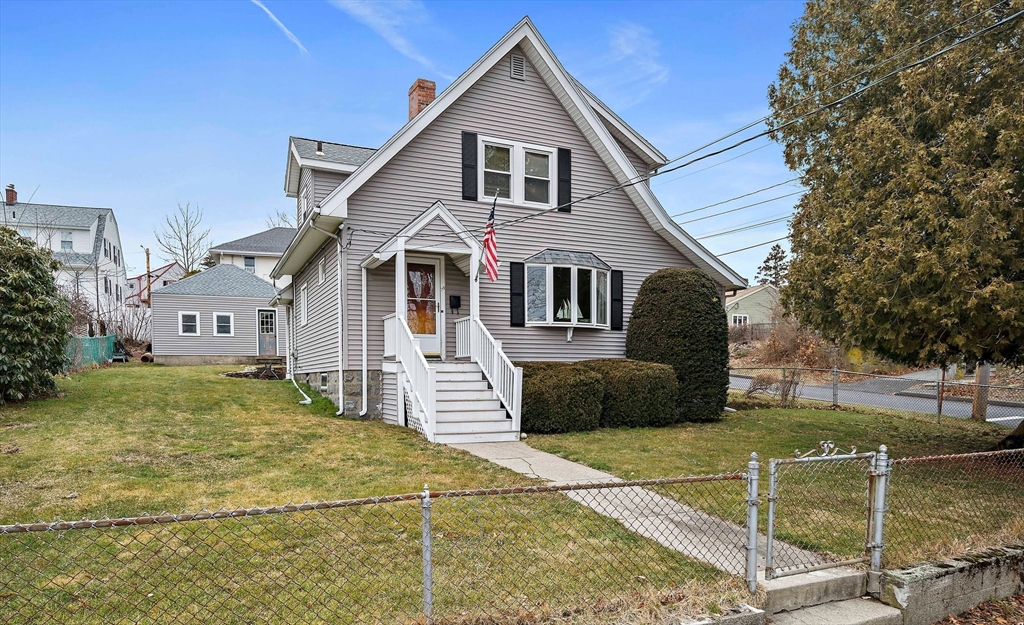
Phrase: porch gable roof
[460,246]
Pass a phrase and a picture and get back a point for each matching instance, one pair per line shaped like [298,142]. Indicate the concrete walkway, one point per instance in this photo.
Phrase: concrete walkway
[699,535]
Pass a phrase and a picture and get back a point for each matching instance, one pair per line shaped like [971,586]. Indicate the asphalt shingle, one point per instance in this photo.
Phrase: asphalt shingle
[333,152]
[223,281]
[273,242]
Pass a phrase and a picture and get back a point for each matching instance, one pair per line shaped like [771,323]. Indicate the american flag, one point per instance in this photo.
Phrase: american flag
[491,246]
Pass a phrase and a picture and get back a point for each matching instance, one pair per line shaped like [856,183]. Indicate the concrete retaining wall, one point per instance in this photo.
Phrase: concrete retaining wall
[931,592]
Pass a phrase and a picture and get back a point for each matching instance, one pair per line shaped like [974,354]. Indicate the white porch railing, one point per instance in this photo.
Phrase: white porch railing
[472,340]
[416,376]
[390,334]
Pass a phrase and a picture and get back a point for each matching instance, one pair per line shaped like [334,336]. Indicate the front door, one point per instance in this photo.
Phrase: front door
[424,294]
[267,332]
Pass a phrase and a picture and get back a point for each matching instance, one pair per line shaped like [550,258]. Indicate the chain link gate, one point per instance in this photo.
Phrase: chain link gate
[816,494]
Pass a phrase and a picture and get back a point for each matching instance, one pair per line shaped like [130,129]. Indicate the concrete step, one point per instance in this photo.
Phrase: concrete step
[474,427]
[487,437]
[458,376]
[446,395]
[860,611]
[468,405]
[814,588]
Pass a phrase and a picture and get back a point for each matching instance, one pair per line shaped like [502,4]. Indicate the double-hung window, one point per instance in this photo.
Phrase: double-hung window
[188,324]
[66,240]
[567,288]
[516,173]
[250,264]
[223,324]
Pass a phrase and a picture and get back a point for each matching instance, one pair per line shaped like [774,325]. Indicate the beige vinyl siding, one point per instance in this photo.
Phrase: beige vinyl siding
[429,168]
[316,342]
[324,182]
[456,283]
[389,397]
[167,342]
[304,198]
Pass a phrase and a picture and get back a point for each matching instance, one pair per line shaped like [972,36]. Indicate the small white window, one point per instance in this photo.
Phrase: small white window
[302,304]
[224,324]
[518,67]
[516,172]
[740,320]
[250,264]
[66,242]
[188,324]
[321,270]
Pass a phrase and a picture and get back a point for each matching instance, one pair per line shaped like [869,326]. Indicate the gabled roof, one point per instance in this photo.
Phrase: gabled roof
[158,272]
[271,242]
[526,36]
[459,250]
[337,157]
[52,215]
[562,257]
[221,281]
[732,299]
[623,131]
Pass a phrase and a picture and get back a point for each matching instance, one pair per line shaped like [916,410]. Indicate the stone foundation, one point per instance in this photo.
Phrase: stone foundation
[352,387]
[206,360]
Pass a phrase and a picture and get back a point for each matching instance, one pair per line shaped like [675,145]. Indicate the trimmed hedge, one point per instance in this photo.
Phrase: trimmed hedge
[567,398]
[678,319]
[636,393]
[630,393]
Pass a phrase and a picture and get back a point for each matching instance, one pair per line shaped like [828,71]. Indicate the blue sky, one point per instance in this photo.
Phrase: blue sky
[139,106]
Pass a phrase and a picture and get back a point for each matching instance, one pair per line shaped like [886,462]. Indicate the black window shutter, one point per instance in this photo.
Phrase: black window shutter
[469,166]
[564,179]
[517,294]
[616,300]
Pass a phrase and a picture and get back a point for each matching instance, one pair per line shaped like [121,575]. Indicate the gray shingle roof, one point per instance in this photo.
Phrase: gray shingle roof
[561,257]
[221,280]
[333,152]
[52,215]
[272,242]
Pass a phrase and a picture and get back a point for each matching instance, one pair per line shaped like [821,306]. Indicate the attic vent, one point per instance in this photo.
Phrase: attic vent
[518,67]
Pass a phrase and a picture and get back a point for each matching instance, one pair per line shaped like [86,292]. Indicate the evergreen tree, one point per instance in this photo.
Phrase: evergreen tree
[774,268]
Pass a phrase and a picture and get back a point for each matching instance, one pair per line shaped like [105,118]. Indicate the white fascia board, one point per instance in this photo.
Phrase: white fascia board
[310,236]
[241,253]
[749,292]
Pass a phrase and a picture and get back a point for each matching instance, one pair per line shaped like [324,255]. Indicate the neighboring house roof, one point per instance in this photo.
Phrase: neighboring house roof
[221,281]
[156,274]
[337,157]
[732,299]
[57,217]
[271,242]
[526,36]
[561,257]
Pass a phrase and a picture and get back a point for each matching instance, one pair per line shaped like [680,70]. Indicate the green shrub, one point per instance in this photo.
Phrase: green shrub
[678,319]
[567,398]
[636,393]
[35,324]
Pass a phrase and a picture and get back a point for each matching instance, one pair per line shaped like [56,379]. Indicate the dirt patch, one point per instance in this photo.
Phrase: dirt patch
[1009,611]
[256,373]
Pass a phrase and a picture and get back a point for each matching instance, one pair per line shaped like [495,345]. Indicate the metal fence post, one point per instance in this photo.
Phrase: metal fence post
[753,469]
[769,556]
[835,386]
[428,569]
[879,476]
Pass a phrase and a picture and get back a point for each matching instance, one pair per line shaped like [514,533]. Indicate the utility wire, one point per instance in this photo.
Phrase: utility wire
[748,223]
[745,228]
[732,199]
[750,247]
[695,172]
[739,208]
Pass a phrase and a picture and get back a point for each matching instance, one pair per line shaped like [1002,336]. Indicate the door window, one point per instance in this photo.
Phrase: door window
[421,296]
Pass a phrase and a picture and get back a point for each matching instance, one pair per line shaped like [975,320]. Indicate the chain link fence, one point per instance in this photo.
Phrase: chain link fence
[919,393]
[592,552]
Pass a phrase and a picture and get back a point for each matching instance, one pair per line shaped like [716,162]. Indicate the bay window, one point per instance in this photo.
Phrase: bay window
[567,294]
[516,172]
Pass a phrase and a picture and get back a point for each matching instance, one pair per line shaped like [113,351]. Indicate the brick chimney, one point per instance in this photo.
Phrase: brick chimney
[421,93]
[12,195]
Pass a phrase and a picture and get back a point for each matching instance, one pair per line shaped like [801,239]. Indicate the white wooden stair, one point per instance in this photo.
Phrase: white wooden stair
[466,407]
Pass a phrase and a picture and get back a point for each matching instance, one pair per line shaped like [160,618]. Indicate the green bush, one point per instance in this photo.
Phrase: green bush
[35,324]
[678,319]
[636,393]
[567,398]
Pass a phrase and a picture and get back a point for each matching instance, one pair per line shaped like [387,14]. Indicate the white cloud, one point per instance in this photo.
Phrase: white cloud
[389,20]
[284,29]
[630,70]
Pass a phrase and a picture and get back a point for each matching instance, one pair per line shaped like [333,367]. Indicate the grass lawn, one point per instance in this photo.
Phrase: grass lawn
[939,509]
[133,438]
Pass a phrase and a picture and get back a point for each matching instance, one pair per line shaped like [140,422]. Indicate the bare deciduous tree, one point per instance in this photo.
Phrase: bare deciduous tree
[182,238]
[280,219]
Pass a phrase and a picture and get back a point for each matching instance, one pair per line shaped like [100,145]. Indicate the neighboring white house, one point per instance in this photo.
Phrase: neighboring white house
[87,243]
[257,253]
[218,316]
[752,307]
[140,288]
[392,315]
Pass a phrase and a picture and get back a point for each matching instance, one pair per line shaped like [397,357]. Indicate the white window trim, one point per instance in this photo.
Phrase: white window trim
[198,332]
[550,296]
[518,167]
[303,305]
[744,320]
[230,316]
[246,267]
[321,270]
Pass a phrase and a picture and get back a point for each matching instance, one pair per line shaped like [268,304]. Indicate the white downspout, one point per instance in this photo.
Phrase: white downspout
[363,332]
[341,371]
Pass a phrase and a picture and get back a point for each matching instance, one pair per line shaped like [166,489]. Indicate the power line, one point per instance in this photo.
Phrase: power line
[750,247]
[693,173]
[775,216]
[732,199]
[745,228]
[739,208]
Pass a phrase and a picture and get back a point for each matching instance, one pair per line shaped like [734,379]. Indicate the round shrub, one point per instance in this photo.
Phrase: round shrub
[566,398]
[679,319]
[636,393]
